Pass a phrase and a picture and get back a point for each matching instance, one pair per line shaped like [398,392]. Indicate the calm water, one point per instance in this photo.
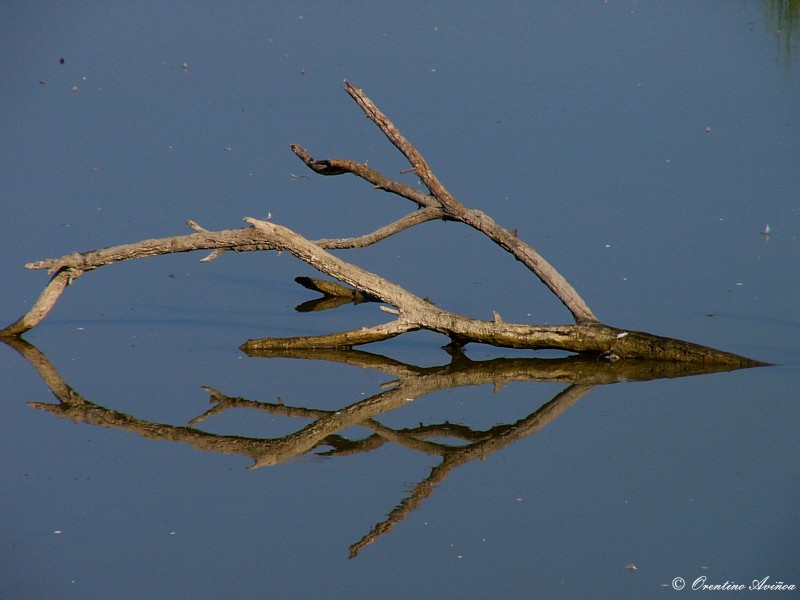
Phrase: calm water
[641,148]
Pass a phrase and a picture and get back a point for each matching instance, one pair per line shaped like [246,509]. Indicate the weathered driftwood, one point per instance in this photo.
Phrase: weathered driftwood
[586,336]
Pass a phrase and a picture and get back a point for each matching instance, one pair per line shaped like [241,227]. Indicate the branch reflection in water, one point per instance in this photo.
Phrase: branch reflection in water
[411,383]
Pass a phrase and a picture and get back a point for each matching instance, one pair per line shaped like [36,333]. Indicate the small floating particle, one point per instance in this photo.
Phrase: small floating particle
[630,567]
[185,66]
[766,230]
[58,532]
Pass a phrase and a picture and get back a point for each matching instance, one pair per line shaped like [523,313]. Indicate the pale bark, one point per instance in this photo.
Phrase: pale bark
[586,336]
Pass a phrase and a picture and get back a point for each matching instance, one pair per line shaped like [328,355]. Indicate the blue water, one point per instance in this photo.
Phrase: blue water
[641,148]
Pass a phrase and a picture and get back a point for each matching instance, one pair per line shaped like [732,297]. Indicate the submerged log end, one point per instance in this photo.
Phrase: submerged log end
[621,343]
[331,288]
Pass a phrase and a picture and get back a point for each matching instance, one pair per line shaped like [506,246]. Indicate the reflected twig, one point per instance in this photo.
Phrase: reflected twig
[455,457]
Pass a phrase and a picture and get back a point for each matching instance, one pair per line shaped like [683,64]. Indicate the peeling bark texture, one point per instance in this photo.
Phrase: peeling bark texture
[587,335]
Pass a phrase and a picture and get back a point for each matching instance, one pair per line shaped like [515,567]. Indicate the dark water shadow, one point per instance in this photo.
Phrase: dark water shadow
[322,436]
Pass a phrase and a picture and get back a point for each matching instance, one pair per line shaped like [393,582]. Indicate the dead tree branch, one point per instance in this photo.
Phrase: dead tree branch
[586,336]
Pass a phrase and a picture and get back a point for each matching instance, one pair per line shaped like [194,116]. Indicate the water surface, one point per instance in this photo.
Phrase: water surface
[641,149]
